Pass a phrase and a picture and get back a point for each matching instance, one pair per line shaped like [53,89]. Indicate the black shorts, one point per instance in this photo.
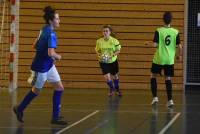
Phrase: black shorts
[112,68]
[168,69]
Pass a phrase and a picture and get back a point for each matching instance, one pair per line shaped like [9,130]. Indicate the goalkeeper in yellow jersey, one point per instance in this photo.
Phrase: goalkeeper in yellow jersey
[107,49]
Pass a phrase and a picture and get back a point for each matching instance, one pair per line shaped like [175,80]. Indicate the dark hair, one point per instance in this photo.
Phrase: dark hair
[49,13]
[111,30]
[167,17]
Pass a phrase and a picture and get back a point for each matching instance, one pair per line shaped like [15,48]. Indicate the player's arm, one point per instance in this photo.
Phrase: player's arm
[155,41]
[151,43]
[53,54]
[116,52]
[97,49]
[35,41]
[118,48]
[179,54]
[52,45]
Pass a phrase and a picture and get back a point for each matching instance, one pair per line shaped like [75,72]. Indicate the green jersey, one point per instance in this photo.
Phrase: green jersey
[107,47]
[166,49]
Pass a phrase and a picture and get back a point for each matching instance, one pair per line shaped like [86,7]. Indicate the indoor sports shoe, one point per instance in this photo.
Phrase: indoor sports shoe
[119,93]
[170,103]
[61,117]
[58,121]
[154,101]
[18,114]
[111,93]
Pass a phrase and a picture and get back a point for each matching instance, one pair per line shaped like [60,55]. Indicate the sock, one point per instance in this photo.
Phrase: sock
[56,103]
[110,84]
[154,87]
[116,84]
[168,84]
[27,100]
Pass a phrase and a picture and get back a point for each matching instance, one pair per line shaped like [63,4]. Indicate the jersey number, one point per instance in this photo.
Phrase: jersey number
[168,40]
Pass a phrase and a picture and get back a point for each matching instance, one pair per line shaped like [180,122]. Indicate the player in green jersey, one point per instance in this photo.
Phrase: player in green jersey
[107,49]
[166,39]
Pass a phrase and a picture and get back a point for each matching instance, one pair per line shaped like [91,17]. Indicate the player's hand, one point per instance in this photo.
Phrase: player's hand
[179,58]
[147,43]
[59,57]
[99,55]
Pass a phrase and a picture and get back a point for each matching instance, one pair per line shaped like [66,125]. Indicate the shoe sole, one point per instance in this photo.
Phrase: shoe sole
[118,93]
[57,123]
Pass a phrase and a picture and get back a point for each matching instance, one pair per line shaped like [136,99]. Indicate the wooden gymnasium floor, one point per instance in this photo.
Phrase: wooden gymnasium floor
[93,112]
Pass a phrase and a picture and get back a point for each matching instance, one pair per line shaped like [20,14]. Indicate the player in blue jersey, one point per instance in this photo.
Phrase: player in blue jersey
[43,68]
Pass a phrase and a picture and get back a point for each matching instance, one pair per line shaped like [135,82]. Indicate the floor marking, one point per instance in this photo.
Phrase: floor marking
[37,128]
[74,124]
[169,124]
[95,104]
[67,110]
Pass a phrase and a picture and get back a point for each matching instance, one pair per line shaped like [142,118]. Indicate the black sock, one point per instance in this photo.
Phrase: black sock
[168,84]
[154,87]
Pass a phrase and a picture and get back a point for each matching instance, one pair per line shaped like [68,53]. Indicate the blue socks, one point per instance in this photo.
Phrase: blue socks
[56,103]
[116,84]
[26,101]
[110,84]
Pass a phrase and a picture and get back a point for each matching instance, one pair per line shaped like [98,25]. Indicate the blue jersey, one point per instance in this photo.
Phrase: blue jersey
[42,62]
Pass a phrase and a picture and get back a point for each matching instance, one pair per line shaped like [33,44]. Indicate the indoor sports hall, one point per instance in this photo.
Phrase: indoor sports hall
[85,105]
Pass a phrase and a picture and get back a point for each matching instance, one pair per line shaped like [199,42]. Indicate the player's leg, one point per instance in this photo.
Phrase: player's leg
[37,82]
[108,78]
[54,78]
[169,72]
[114,72]
[116,85]
[109,82]
[155,70]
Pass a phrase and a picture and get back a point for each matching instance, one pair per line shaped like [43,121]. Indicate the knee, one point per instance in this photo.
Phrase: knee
[167,78]
[35,90]
[116,76]
[153,75]
[60,87]
[107,77]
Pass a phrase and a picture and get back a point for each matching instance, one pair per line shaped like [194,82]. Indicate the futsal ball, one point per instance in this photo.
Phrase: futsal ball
[105,58]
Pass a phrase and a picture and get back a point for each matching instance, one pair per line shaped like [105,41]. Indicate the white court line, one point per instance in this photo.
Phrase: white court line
[169,124]
[37,128]
[74,124]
